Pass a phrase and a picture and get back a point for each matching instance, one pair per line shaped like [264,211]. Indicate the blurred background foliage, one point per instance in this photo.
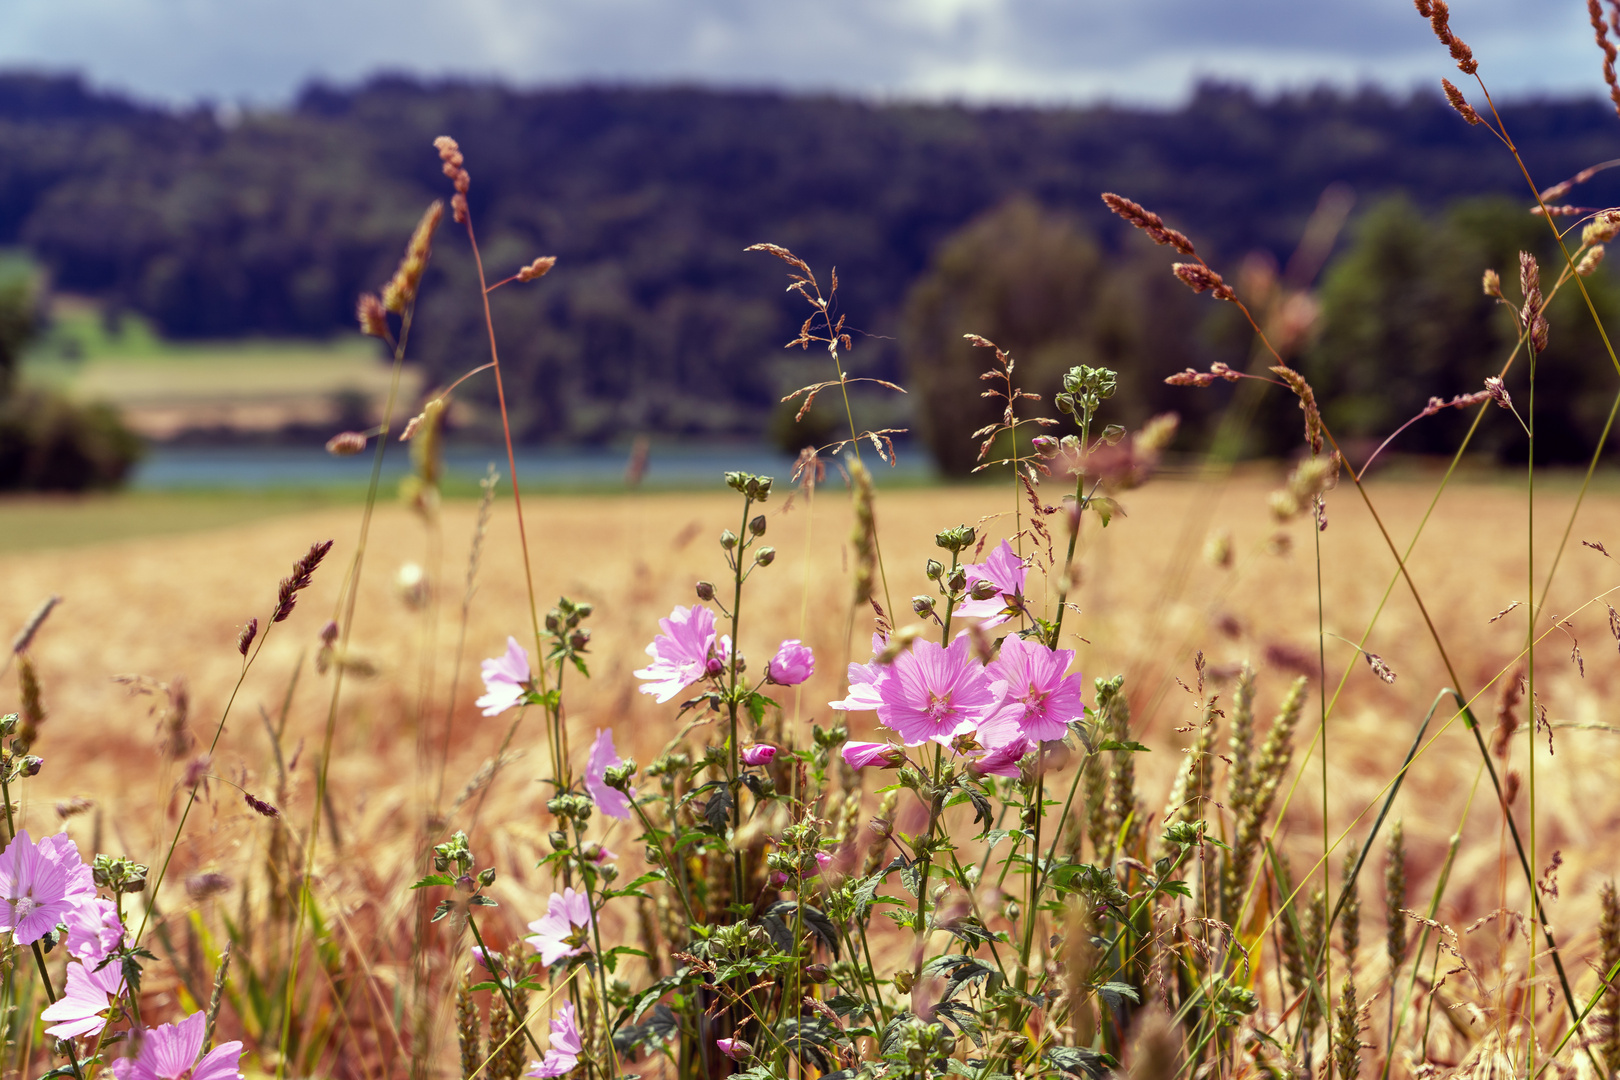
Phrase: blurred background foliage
[942,220]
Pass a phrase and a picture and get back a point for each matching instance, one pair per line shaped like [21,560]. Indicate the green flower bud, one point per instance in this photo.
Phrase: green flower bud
[757,526]
[765,556]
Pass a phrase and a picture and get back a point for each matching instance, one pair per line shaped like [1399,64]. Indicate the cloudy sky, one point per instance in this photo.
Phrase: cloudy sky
[260,51]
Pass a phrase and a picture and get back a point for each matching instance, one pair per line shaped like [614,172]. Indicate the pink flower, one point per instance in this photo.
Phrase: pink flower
[169,1052]
[563,1054]
[682,653]
[865,681]
[88,995]
[94,930]
[1040,699]
[506,679]
[758,754]
[792,664]
[735,1049]
[858,755]
[935,693]
[1005,571]
[40,884]
[1002,761]
[610,801]
[562,931]
[489,961]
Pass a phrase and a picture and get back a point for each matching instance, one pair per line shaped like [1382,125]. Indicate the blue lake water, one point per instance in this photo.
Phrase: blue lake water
[673,466]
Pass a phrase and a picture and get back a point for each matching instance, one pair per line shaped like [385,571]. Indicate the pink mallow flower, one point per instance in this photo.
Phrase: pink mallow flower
[610,801]
[563,1054]
[858,755]
[94,930]
[936,693]
[1003,569]
[40,885]
[1041,699]
[88,994]
[865,682]
[682,654]
[735,1049]
[169,1052]
[1003,760]
[506,679]
[758,754]
[792,664]
[562,931]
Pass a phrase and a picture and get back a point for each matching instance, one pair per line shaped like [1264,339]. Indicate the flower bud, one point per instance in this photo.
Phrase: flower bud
[486,878]
[935,569]
[1112,434]
[765,556]
[1044,445]
[757,526]
[735,1049]
[465,883]
[558,840]
[31,765]
[816,973]
[956,540]
[579,639]
[984,589]
[705,590]
[793,663]
[957,581]
[728,539]
[923,605]
[714,665]
[758,754]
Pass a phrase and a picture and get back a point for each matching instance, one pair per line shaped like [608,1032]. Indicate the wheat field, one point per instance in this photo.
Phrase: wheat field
[1150,599]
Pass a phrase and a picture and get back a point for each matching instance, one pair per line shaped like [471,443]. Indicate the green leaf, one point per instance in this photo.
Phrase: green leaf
[819,924]
[1106,508]
[445,907]
[434,879]
[1115,744]
[717,811]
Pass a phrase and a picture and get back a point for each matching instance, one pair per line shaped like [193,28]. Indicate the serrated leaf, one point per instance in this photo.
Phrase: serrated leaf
[821,926]
[1078,1061]
[717,811]
[434,879]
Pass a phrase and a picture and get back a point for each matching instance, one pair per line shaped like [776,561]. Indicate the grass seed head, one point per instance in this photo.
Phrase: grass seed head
[302,575]
[1395,895]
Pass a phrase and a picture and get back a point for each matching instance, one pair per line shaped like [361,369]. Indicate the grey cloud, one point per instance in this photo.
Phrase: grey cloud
[1026,50]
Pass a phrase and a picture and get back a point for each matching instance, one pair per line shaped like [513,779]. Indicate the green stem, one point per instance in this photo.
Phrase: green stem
[506,992]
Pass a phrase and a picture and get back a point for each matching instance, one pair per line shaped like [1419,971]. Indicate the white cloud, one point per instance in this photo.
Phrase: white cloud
[1021,50]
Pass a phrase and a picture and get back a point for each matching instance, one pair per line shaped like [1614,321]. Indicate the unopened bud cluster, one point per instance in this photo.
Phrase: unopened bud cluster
[119,873]
[563,624]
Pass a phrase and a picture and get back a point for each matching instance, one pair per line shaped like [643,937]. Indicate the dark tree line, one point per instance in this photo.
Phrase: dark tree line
[655,320]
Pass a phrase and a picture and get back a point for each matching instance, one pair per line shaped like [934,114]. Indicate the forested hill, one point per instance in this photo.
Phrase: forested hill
[655,318]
